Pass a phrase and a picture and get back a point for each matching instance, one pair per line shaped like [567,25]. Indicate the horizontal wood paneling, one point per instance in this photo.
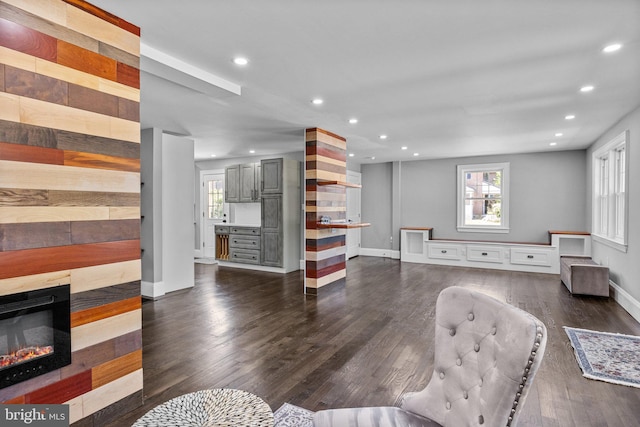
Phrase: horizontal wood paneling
[98,297]
[26,40]
[34,261]
[61,391]
[38,176]
[70,192]
[52,69]
[116,368]
[104,311]
[105,329]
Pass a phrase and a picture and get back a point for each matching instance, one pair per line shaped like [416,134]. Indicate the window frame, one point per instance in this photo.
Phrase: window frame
[462,170]
[610,193]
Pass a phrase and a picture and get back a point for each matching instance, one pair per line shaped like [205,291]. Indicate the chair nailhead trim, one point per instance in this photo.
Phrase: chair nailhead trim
[470,316]
[452,332]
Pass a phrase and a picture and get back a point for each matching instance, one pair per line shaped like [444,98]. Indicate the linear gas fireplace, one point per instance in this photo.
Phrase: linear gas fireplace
[35,333]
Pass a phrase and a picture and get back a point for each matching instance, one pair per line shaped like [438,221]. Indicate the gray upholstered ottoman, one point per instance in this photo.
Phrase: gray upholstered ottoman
[582,275]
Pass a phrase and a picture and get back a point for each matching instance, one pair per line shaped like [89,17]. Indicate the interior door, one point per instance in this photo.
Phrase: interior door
[353,214]
[214,210]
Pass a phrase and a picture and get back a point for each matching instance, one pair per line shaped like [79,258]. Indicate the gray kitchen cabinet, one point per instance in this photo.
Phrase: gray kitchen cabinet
[272,234]
[272,176]
[242,183]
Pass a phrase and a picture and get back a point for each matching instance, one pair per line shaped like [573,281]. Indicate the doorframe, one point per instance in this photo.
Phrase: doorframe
[200,216]
[354,177]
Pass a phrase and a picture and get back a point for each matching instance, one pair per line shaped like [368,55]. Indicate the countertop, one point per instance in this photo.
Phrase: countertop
[236,224]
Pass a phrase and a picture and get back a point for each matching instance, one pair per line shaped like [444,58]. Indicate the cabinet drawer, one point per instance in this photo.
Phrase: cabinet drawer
[252,231]
[444,251]
[531,257]
[485,254]
[244,242]
[245,256]
[222,229]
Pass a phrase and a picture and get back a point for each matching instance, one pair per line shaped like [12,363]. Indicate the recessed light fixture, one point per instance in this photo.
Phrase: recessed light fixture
[351,154]
[614,47]
[213,155]
[240,60]
[353,121]
[372,157]
[316,101]
[416,154]
[553,144]
[252,151]
[383,136]
[404,147]
[587,88]
[569,117]
[559,134]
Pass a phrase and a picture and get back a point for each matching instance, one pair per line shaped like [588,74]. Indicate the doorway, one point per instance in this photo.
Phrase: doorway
[353,214]
[214,210]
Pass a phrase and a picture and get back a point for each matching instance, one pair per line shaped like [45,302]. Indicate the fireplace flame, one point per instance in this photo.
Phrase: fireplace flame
[24,354]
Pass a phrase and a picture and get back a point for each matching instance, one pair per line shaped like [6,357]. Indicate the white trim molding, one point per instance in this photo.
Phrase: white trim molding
[626,301]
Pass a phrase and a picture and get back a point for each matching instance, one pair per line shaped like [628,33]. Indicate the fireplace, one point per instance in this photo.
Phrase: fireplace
[35,333]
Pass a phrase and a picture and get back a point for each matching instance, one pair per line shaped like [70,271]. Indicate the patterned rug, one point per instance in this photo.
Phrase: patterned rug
[604,356]
[293,416]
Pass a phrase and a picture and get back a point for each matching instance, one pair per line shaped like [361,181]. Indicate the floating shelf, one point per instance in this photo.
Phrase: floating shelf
[345,225]
[339,183]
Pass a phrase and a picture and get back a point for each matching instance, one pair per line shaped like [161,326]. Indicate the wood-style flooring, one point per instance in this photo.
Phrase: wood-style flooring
[363,342]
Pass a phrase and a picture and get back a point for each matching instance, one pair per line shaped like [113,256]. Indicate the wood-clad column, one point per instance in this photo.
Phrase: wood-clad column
[70,194]
[326,249]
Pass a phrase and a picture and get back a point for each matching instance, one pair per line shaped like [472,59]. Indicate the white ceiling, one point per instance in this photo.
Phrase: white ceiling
[443,78]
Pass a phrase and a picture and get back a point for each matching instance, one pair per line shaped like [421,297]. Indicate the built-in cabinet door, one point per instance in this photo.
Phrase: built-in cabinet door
[271,176]
[232,184]
[272,235]
[247,182]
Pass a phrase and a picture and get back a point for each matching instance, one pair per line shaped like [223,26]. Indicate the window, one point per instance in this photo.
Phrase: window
[609,214]
[483,198]
[215,199]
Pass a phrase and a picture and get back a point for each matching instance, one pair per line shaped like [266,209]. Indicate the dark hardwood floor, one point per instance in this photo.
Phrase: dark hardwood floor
[362,343]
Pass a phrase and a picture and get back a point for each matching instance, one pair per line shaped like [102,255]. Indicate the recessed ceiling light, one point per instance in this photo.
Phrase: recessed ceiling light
[240,61]
[353,121]
[351,154]
[587,88]
[383,136]
[559,134]
[317,101]
[252,151]
[612,48]
[569,117]
[372,157]
[213,155]
[416,154]
[404,148]
[553,144]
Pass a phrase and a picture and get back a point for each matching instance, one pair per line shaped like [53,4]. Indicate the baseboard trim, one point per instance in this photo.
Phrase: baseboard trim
[152,290]
[626,301]
[381,253]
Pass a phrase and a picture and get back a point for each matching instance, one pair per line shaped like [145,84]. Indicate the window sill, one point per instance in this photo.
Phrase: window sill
[611,243]
[469,229]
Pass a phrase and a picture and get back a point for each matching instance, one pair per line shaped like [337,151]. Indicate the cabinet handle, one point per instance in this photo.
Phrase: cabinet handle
[484,254]
[530,256]
[443,251]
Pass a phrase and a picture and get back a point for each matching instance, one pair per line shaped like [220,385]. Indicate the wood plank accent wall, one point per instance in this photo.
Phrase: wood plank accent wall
[325,252]
[70,193]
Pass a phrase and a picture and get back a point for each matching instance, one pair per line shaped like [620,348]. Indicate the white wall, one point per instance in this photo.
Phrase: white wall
[168,207]
[624,267]
[547,192]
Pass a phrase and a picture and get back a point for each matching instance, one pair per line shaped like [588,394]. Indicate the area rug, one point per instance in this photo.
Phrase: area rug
[604,356]
[289,415]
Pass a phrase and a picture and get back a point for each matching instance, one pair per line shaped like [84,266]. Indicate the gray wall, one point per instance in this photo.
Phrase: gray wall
[547,192]
[624,267]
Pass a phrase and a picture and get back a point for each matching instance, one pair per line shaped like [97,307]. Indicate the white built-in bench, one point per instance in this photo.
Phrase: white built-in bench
[418,246]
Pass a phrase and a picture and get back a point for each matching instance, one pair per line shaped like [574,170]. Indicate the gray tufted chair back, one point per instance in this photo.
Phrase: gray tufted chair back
[486,354]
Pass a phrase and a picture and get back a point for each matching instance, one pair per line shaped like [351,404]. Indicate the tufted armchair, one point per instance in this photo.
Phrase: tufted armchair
[486,355]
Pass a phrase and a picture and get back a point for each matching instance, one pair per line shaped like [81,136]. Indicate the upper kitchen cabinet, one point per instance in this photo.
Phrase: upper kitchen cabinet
[242,183]
[272,176]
